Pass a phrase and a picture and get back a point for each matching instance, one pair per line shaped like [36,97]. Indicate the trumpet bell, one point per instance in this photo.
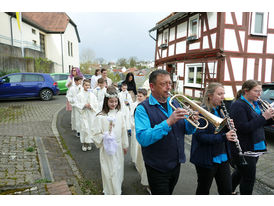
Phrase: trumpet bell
[219,123]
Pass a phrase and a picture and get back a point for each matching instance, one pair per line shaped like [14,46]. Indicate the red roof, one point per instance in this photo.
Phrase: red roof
[48,21]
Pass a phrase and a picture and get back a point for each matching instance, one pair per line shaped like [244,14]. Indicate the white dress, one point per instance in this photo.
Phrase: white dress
[112,166]
[87,116]
[126,109]
[136,150]
[100,94]
[72,99]
[93,81]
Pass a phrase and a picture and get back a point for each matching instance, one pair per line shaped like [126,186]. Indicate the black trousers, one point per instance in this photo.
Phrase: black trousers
[162,183]
[244,175]
[221,173]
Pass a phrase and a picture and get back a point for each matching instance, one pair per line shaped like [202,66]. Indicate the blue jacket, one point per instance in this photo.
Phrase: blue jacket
[249,125]
[166,150]
[205,145]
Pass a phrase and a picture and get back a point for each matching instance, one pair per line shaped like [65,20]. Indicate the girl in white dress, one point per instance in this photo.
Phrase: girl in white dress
[72,99]
[110,135]
[88,108]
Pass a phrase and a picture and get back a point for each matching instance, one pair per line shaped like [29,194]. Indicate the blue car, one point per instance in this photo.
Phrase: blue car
[26,85]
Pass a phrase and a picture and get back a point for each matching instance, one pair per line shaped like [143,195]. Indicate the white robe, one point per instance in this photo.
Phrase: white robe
[136,150]
[125,96]
[72,99]
[112,166]
[87,116]
[100,94]
[93,81]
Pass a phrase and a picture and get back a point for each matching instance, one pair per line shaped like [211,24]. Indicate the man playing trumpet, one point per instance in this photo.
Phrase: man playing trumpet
[160,131]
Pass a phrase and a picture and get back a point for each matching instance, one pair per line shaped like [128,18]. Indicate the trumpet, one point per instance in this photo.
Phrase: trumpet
[265,105]
[218,122]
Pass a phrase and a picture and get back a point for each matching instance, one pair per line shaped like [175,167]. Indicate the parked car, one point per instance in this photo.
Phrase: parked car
[268,95]
[61,80]
[88,76]
[27,85]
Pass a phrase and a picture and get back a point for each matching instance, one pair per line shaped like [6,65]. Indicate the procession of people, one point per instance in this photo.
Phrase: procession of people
[152,130]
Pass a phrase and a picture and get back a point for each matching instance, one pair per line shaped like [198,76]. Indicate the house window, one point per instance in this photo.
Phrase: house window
[42,43]
[193,29]
[194,75]
[34,42]
[70,49]
[165,37]
[259,23]
[33,31]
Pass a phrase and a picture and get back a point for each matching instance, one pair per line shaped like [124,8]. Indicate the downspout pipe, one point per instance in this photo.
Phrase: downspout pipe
[11,32]
[62,53]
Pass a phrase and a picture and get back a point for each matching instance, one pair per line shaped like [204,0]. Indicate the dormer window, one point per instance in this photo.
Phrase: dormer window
[259,23]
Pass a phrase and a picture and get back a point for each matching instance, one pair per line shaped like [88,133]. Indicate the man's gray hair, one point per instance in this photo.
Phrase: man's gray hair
[154,74]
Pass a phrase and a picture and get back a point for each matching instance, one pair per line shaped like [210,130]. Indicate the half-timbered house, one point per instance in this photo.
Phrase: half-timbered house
[227,47]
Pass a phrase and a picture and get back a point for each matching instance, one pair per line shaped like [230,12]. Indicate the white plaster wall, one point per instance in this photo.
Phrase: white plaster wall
[180,87]
[164,53]
[171,50]
[182,30]
[181,47]
[5,36]
[160,36]
[53,48]
[70,35]
[242,37]
[197,93]
[157,55]
[194,46]
[212,19]
[228,92]
[268,69]
[180,69]
[212,69]
[188,92]
[172,34]
[226,75]
[230,41]
[27,35]
[260,70]
[205,42]
[239,18]
[237,66]
[255,46]
[213,40]
[228,18]
[250,68]
[270,43]
[271,21]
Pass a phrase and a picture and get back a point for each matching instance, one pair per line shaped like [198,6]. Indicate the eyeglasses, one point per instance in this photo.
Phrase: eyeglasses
[74,70]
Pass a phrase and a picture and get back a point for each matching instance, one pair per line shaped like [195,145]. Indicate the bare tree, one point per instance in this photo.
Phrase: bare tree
[87,55]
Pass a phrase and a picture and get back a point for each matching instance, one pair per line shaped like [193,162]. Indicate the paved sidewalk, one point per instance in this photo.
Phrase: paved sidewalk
[31,153]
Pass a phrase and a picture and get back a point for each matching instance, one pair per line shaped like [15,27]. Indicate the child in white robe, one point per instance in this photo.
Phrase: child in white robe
[126,102]
[99,92]
[88,108]
[135,147]
[110,135]
[72,99]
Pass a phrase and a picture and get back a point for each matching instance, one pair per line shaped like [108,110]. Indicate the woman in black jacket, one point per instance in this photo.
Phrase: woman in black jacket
[210,153]
[249,121]
[131,86]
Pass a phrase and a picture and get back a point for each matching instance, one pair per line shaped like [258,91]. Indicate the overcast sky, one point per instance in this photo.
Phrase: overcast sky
[113,35]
